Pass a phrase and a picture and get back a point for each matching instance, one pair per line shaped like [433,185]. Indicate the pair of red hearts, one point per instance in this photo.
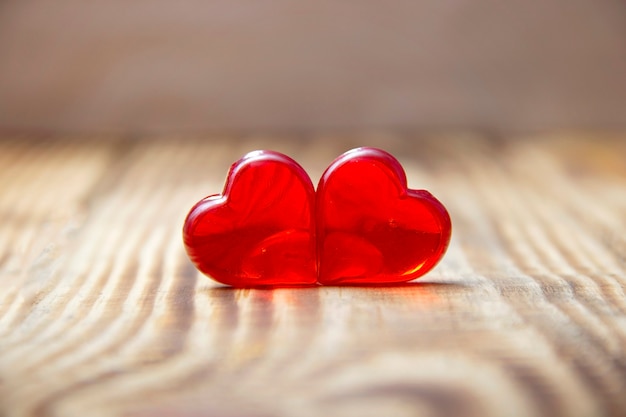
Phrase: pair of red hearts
[363,226]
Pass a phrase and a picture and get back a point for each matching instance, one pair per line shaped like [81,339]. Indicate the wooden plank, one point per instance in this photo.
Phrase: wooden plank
[102,314]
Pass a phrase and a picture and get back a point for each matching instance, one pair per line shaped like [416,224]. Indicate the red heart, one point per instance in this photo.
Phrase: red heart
[372,229]
[260,230]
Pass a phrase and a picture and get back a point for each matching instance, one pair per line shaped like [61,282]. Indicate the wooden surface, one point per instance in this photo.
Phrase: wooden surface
[101,313]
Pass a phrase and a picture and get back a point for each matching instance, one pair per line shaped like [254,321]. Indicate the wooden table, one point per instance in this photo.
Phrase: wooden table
[102,314]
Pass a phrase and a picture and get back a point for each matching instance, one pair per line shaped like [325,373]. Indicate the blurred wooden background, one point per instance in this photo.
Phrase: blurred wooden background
[102,314]
[162,66]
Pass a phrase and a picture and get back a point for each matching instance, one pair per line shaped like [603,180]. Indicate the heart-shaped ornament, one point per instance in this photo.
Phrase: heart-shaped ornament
[365,226]
[372,229]
[260,230]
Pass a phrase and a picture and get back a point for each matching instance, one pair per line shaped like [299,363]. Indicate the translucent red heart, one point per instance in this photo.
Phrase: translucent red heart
[363,226]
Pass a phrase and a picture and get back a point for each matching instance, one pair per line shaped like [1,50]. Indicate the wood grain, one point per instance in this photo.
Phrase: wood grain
[101,313]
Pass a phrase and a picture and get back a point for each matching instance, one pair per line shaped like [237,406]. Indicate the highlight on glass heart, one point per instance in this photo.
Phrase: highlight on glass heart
[363,226]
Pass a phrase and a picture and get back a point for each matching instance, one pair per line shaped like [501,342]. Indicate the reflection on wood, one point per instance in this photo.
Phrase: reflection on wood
[102,314]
